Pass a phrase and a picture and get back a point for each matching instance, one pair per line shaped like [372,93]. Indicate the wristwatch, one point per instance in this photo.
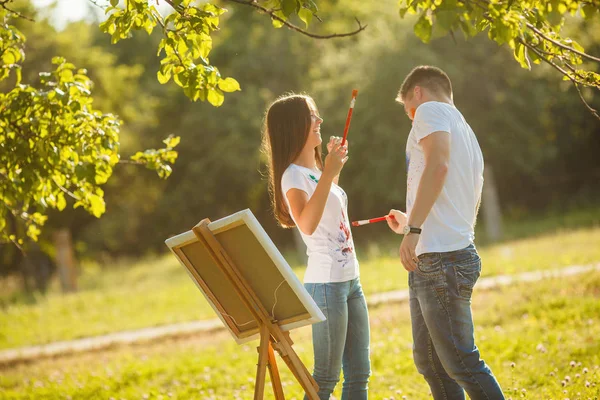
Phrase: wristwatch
[410,229]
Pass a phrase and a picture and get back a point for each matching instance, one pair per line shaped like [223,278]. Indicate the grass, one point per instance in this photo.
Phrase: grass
[158,292]
[539,339]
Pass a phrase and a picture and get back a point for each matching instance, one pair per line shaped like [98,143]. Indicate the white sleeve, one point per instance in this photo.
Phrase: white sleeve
[294,179]
[429,118]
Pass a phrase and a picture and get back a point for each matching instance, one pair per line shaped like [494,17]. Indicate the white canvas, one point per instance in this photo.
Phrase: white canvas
[246,217]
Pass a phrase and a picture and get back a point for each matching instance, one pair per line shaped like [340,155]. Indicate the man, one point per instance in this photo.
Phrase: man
[445,177]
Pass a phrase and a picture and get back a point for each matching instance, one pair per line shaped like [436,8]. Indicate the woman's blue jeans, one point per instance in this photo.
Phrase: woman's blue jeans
[341,342]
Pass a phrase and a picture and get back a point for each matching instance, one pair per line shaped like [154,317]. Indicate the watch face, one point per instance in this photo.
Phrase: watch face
[406,229]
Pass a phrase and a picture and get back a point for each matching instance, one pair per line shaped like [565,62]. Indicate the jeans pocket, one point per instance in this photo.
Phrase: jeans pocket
[429,264]
[318,292]
[467,275]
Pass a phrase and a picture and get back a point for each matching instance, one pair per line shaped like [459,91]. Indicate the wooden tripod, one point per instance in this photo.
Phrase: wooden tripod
[271,335]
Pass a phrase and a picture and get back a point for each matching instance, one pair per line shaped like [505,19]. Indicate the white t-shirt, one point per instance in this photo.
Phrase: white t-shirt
[451,222]
[330,249]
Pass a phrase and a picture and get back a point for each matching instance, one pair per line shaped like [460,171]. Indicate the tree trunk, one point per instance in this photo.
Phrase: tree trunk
[492,215]
[65,260]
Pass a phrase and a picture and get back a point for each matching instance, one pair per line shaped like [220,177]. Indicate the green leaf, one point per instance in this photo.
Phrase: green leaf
[205,45]
[229,85]
[148,26]
[103,173]
[288,7]
[97,205]
[276,22]
[520,54]
[9,57]
[114,3]
[61,203]
[305,15]
[311,5]
[172,141]
[446,19]
[423,28]
[181,79]
[163,77]
[33,232]
[215,97]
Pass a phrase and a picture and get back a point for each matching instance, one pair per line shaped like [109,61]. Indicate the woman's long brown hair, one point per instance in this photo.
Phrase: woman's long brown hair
[285,131]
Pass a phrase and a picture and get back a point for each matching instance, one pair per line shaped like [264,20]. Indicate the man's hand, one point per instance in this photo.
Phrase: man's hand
[407,251]
[397,222]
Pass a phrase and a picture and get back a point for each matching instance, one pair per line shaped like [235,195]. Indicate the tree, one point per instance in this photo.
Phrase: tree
[55,144]
[532,28]
[187,38]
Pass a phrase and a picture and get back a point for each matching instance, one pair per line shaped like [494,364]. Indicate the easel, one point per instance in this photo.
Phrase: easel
[271,335]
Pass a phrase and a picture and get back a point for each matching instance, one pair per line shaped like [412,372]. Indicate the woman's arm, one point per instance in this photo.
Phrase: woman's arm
[309,211]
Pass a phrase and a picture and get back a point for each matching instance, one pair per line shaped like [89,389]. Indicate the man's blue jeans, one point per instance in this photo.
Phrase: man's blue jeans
[342,341]
[444,347]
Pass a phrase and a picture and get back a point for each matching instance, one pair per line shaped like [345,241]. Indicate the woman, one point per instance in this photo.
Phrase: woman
[304,193]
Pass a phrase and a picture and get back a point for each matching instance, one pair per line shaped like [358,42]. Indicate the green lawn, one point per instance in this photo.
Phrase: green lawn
[549,330]
[159,292]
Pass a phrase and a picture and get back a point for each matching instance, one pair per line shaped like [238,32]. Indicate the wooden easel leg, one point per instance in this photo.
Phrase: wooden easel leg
[274,373]
[263,360]
[300,372]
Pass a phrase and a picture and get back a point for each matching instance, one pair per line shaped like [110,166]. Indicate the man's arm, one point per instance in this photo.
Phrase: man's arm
[436,148]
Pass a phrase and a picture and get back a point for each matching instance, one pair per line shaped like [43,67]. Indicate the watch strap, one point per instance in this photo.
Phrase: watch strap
[415,230]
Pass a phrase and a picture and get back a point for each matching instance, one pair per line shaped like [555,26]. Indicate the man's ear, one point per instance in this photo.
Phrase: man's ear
[417,92]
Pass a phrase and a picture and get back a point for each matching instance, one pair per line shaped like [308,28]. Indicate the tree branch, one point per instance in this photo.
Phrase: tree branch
[65,190]
[573,70]
[94,2]
[253,3]
[130,162]
[559,44]
[169,2]
[592,110]
[543,36]
[18,14]
[565,73]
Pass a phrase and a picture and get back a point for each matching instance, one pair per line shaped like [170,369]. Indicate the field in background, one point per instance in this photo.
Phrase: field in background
[157,292]
[539,339]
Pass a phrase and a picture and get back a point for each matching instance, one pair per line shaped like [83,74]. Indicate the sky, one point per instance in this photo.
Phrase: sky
[62,12]
[69,10]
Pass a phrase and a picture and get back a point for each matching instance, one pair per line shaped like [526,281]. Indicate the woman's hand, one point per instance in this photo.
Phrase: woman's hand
[398,221]
[337,157]
[334,140]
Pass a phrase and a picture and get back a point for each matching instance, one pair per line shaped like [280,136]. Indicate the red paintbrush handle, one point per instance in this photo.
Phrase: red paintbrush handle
[371,221]
[349,117]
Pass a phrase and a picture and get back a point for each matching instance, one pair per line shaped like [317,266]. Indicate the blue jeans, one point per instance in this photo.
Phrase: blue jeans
[444,347]
[341,342]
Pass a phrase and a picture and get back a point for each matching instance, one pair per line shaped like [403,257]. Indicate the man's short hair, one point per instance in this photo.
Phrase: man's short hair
[426,76]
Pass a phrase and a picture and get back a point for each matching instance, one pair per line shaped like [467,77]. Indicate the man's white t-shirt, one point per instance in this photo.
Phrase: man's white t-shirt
[330,249]
[451,222]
